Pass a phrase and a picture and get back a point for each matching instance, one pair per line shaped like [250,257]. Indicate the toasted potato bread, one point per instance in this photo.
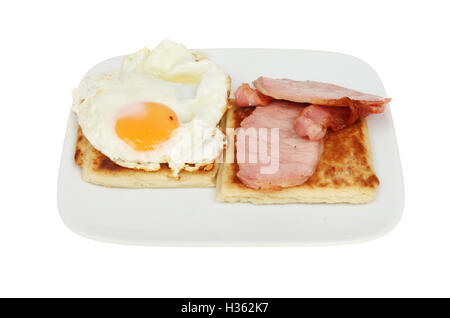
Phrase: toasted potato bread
[344,172]
[98,169]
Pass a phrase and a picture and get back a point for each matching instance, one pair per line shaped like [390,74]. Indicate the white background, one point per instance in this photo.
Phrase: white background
[47,46]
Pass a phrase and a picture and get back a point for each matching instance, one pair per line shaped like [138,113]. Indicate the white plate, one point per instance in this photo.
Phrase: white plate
[193,217]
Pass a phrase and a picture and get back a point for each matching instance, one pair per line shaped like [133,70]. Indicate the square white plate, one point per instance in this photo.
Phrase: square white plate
[193,217]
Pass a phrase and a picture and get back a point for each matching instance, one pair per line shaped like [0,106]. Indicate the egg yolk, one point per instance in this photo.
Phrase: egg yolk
[193,79]
[144,126]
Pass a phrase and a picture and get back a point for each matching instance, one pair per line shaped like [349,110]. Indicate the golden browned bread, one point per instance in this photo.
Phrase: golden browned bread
[344,172]
[98,169]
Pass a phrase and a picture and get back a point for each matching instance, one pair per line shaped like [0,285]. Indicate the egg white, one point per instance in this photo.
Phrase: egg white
[186,81]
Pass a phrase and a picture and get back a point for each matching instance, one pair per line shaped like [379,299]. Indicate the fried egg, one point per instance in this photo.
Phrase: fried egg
[161,106]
